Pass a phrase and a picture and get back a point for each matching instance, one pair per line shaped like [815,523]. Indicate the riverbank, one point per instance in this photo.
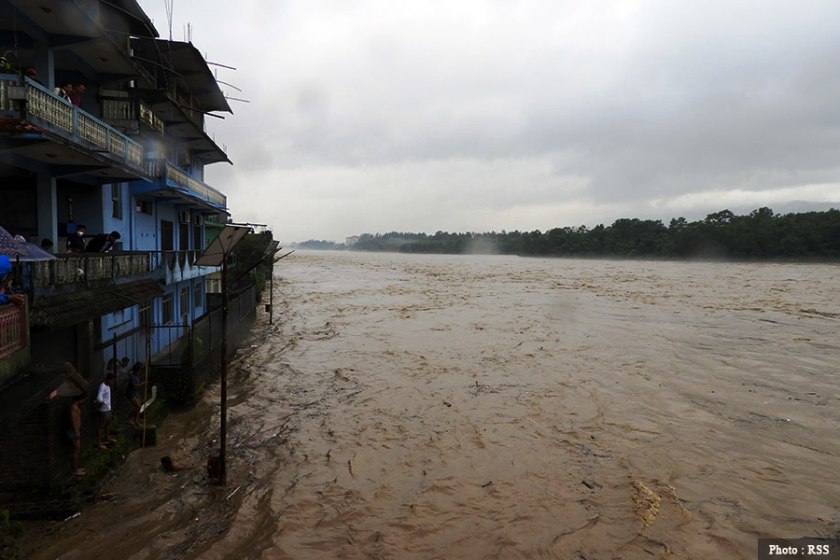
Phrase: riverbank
[141,511]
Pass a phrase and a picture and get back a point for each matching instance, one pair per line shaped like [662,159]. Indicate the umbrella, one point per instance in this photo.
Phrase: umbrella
[9,246]
[34,253]
[21,250]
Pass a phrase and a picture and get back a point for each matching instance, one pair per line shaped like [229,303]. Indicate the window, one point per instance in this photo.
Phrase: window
[168,309]
[185,304]
[146,316]
[116,201]
[197,238]
[197,303]
[184,236]
[144,206]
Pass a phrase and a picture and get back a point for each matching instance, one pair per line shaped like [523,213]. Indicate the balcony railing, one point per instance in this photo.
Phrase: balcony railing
[12,329]
[68,119]
[167,172]
[172,258]
[85,269]
[131,110]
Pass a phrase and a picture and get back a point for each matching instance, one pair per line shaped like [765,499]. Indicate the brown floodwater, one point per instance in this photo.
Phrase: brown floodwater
[418,407]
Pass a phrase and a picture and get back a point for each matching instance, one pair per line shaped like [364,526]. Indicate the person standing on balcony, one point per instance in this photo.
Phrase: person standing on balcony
[76,93]
[102,243]
[76,242]
[103,399]
[64,91]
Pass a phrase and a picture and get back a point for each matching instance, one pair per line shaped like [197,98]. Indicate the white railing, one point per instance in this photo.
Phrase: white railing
[59,113]
[168,172]
[202,189]
[51,108]
[131,110]
[75,269]
[147,116]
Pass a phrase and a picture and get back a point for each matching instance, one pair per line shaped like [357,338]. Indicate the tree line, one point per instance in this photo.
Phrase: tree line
[761,234]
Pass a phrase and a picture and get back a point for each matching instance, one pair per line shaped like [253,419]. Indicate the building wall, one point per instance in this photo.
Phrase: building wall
[144,230]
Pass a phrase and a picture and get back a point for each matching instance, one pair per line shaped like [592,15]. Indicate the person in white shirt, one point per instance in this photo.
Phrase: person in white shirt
[103,400]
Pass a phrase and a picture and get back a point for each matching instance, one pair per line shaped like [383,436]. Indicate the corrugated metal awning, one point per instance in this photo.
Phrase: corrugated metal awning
[66,310]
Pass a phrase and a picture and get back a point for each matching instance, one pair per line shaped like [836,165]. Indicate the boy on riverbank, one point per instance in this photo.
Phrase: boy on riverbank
[103,399]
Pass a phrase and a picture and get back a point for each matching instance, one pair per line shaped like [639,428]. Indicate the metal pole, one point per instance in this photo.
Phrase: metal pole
[223,434]
[116,363]
[148,361]
[271,291]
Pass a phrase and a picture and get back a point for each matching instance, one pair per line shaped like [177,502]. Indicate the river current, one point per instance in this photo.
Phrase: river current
[431,406]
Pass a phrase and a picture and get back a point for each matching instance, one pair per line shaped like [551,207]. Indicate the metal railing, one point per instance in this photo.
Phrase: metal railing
[171,174]
[131,110]
[66,118]
[12,329]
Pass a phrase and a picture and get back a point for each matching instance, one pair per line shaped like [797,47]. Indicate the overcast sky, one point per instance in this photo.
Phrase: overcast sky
[479,115]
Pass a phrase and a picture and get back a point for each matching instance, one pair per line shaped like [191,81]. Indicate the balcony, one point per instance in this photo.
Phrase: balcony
[71,272]
[179,183]
[38,113]
[130,113]
[74,288]
[178,266]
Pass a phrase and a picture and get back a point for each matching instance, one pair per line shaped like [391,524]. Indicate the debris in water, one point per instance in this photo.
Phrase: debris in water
[74,516]
[647,503]
[448,404]
[486,484]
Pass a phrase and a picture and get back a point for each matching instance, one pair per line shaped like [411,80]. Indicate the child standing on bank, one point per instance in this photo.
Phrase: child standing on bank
[103,399]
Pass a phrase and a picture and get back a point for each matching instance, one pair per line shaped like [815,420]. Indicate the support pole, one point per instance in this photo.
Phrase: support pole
[223,434]
[147,368]
[271,291]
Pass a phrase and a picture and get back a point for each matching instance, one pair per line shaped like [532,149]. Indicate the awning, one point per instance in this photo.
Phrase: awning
[66,310]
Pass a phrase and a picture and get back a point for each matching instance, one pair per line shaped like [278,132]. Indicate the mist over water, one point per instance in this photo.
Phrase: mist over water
[430,406]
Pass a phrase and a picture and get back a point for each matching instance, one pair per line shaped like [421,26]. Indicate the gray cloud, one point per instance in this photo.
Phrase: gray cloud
[476,114]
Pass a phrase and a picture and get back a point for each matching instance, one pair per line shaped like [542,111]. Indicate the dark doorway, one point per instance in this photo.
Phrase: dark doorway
[167,236]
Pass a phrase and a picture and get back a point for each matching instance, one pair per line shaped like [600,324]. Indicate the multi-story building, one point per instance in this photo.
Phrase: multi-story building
[127,156]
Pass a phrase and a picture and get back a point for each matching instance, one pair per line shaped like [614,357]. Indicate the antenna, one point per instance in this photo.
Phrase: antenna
[222,65]
[227,84]
[169,6]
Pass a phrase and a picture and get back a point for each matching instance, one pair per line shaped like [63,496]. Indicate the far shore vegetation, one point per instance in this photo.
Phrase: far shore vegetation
[759,235]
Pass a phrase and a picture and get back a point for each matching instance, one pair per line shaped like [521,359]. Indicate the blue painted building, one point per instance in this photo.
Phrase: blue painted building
[127,155]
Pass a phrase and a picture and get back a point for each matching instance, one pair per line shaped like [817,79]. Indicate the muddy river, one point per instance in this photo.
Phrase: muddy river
[420,407]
